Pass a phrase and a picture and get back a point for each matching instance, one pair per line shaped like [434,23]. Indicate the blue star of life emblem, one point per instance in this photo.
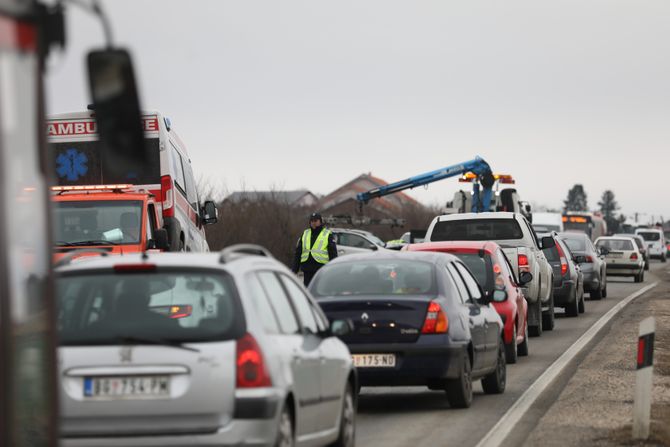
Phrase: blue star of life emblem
[71,164]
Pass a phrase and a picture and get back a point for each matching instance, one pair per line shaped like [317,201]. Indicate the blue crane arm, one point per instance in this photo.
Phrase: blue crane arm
[477,166]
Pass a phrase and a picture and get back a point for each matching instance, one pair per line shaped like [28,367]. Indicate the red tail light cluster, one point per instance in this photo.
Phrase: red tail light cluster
[524,266]
[589,259]
[436,321]
[167,192]
[633,257]
[564,261]
[251,368]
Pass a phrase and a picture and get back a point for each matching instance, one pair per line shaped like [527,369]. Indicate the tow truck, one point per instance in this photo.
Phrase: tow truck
[111,218]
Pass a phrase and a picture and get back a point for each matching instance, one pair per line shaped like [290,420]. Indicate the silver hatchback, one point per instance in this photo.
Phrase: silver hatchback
[199,349]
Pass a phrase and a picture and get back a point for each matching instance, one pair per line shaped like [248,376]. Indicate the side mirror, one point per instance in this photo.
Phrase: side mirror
[548,242]
[525,278]
[340,328]
[117,112]
[160,240]
[499,295]
[210,214]
[373,247]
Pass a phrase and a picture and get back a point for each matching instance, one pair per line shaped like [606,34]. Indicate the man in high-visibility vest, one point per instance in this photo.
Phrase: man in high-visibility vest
[315,248]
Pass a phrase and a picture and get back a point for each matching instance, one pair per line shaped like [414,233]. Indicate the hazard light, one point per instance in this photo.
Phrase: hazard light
[91,187]
[470,177]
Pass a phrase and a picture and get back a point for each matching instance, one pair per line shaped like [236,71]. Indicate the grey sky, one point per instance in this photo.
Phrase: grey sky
[311,93]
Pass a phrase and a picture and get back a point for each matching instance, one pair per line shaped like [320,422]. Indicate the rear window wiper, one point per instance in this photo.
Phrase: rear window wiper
[156,341]
[64,244]
[91,242]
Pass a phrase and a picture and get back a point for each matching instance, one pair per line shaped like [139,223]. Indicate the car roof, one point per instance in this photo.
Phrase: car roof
[185,260]
[573,234]
[655,230]
[387,255]
[614,238]
[469,216]
[489,246]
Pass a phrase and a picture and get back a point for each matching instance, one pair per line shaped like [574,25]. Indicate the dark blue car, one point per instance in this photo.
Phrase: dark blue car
[419,319]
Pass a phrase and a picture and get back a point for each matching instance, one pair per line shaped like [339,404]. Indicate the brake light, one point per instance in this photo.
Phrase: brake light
[436,320]
[134,268]
[167,191]
[589,259]
[523,263]
[251,369]
[564,261]
[633,257]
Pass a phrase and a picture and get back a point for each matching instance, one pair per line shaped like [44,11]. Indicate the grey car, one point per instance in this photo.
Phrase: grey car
[591,261]
[568,277]
[199,349]
[351,241]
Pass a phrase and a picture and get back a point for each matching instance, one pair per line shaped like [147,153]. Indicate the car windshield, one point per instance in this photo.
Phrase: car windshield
[376,240]
[476,230]
[98,222]
[616,244]
[480,268]
[375,277]
[650,236]
[575,243]
[108,308]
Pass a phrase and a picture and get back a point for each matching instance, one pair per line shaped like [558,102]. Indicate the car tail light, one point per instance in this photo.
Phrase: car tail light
[564,261]
[523,263]
[436,320]
[589,259]
[251,368]
[167,191]
[633,257]
[134,268]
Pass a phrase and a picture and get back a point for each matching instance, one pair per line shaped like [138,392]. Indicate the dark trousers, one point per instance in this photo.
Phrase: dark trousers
[307,276]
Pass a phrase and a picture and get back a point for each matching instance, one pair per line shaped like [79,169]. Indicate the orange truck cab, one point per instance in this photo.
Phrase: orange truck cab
[113,218]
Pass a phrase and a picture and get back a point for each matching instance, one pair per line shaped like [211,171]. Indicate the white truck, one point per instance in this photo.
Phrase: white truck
[521,246]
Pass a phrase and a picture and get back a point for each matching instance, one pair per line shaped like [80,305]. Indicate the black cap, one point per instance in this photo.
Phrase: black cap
[315,216]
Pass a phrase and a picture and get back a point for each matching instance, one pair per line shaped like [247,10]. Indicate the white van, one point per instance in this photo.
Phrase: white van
[73,140]
[547,222]
[655,240]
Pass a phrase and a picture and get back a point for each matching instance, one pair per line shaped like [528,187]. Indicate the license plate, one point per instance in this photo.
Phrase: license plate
[374,360]
[131,387]
[616,255]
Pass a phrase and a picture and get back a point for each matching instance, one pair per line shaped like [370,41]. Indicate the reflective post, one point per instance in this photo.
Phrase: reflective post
[643,379]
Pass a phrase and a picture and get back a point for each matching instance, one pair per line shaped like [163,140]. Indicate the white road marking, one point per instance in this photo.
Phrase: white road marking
[508,421]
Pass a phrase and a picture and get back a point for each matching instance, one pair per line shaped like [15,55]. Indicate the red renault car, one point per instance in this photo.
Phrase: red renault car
[490,267]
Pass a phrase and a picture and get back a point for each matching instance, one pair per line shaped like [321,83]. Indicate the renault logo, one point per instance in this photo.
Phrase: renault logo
[365,317]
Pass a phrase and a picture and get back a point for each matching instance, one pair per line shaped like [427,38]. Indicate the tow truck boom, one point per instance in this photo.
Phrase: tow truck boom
[477,166]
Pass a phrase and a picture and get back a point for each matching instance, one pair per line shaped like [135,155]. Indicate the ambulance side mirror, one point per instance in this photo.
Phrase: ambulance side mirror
[210,215]
[116,105]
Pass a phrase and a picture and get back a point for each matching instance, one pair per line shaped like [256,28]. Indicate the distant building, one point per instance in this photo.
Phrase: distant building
[298,198]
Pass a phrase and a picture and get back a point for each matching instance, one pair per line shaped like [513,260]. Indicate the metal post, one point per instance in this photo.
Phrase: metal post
[643,379]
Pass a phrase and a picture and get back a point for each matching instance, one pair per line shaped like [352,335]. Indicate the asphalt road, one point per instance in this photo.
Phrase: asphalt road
[415,416]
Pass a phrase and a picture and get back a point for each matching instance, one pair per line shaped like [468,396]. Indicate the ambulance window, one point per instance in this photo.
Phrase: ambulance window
[177,169]
[191,192]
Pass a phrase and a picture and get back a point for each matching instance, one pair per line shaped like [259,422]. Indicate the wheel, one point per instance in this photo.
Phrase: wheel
[347,436]
[536,331]
[646,265]
[522,349]
[581,304]
[459,390]
[548,319]
[637,278]
[642,276]
[604,292]
[664,258]
[511,349]
[597,294]
[494,383]
[285,433]
[572,309]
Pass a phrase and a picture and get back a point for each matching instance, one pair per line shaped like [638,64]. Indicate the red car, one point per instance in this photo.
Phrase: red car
[490,266]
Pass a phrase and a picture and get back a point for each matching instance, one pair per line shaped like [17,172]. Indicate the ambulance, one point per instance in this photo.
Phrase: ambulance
[75,148]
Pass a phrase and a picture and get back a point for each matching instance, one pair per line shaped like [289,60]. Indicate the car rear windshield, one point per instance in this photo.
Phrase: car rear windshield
[375,277]
[98,222]
[476,230]
[616,244]
[109,308]
[551,254]
[650,235]
[481,268]
[575,243]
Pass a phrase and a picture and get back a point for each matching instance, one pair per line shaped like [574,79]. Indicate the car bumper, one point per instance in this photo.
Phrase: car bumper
[507,312]
[255,423]
[591,281]
[623,269]
[565,293]
[432,357]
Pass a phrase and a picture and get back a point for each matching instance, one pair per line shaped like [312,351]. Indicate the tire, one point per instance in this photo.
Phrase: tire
[572,309]
[637,278]
[646,265]
[347,433]
[511,354]
[548,319]
[582,308]
[522,349]
[285,435]
[536,331]
[495,382]
[459,390]
[604,292]
[596,294]
[664,258]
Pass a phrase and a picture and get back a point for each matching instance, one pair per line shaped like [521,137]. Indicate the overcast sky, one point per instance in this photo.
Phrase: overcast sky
[309,94]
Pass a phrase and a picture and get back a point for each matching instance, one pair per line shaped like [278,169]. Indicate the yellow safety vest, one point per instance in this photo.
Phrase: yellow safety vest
[319,250]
